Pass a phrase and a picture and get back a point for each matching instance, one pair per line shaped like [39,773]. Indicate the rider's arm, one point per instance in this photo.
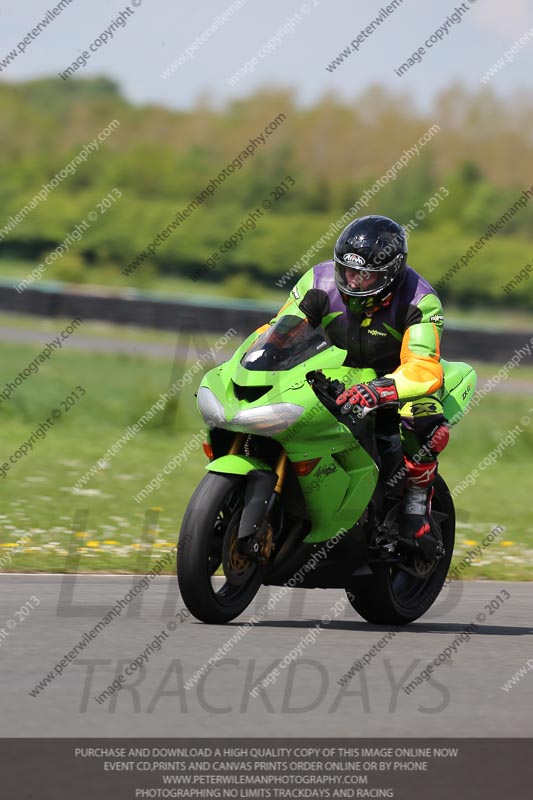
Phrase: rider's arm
[292,304]
[296,295]
[308,302]
[420,371]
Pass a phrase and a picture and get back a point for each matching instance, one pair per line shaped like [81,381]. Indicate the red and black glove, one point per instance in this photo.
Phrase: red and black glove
[366,397]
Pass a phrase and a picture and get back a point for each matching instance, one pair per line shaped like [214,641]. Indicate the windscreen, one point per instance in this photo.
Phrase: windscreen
[290,341]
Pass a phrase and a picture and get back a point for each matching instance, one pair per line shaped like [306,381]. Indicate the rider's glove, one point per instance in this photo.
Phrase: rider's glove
[315,306]
[366,397]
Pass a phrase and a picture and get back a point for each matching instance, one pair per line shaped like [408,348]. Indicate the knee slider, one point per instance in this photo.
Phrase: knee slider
[439,438]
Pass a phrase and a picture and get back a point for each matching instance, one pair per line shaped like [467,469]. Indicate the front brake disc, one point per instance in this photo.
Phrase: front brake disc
[237,568]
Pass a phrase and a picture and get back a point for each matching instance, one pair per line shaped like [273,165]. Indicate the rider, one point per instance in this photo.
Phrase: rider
[389,318]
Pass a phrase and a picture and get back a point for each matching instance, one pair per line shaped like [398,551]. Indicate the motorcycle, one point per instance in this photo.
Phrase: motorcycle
[293,494]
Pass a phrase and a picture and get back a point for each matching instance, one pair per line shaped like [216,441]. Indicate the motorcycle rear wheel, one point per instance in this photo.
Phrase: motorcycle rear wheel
[391,596]
[207,541]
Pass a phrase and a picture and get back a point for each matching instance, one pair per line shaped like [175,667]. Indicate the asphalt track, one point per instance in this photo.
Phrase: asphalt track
[463,698]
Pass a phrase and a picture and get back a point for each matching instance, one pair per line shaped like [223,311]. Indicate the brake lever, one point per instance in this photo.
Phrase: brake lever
[357,411]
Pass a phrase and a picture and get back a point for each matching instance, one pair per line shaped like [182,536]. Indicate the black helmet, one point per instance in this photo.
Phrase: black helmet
[370,256]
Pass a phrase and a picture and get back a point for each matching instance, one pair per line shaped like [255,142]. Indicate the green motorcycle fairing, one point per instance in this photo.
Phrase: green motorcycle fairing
[263,390]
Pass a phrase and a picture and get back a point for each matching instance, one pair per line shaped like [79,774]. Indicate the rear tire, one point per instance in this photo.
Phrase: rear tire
[210,519]
[393,597]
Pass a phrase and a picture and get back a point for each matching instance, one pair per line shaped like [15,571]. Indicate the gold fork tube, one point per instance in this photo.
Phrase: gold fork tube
[281,471]
[237,444]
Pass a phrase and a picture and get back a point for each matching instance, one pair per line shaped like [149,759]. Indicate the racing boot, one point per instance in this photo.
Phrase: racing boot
[415,530]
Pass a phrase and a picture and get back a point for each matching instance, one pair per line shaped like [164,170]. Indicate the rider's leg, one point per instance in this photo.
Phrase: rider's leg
[389,444]
[425,434]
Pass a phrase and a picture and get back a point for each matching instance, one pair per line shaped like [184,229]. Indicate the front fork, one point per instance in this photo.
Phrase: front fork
[263,487]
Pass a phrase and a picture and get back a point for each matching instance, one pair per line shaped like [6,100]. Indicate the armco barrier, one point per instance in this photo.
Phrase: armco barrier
[154,310]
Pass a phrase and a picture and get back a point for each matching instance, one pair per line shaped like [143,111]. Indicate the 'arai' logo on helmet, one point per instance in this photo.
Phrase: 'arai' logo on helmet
[353,258]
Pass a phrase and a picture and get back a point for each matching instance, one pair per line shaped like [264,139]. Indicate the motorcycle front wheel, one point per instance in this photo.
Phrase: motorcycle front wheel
[208,543]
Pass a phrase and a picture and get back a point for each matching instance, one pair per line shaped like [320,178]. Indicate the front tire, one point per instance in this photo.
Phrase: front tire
[207,540]
[392,596]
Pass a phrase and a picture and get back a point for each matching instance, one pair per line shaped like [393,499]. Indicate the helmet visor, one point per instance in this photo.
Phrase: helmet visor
[360,281]
[357,281]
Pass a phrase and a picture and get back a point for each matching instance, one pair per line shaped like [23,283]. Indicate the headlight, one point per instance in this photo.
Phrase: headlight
[211,409]
[267,420]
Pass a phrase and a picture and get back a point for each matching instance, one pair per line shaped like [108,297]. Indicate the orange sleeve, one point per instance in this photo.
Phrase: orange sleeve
[420,371]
